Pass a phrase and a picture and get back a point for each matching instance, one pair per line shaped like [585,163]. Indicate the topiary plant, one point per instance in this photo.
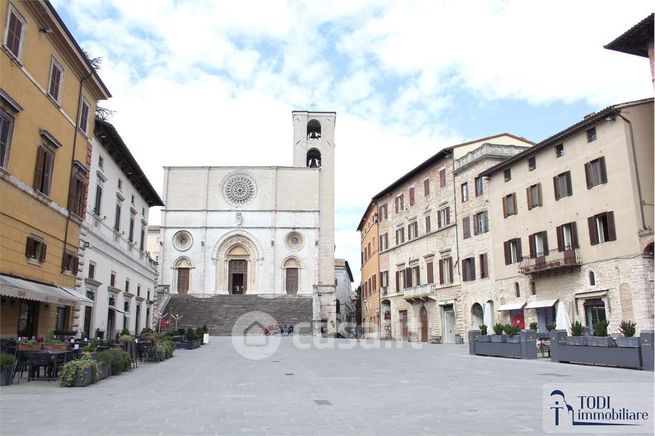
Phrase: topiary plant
[511,330]
[576,329]
[551,327]
[533,326]
[600,327]
[483,330]
[204,328]
[498,328]
[190,334]
[628,328]
[7,361]
[199,333]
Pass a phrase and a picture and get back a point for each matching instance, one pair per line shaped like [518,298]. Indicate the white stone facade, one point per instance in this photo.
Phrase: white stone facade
[343,280]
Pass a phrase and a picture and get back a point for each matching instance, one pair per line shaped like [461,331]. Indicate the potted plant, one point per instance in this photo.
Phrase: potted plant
[628,340]
[576,337]
[484,337]
[78,373]
[551,327]
[533,326]
[600,337]
[52,343]
[6,368]
[191,340]
[29,344]
[498,333]
[512,331]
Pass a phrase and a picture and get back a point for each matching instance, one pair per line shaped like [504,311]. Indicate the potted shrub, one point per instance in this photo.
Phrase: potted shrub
[551,327]
[6,368]
[29,344]
[498,333]
[199,334]
[484,337]
[191,340]
[512,331]
[533,326]
[104,364]
[576,337]
[600,337]
[78,373]
[628,340]
[54,344]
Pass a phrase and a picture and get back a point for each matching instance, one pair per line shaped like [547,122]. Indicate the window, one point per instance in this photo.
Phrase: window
[101,162]
[443,217]
[132,200]
[428,224]
[466,227]
[512,250]
[446,271]
[92,270]
[84,116]
[77,190]
[411,196]
[534,196]
[538,244]
[138,290]
[533,287]
[130,233]
[413,276]
[97,209]
[442,178]
[14,33]
[69,263]
[592,278]
[6,127]
[509,205]
[594,311]
[426,187]
[400,236]
[127,285]
[595,172]
[480,223]
[120,185]
[35,249]
[479,186]
[142,238]
[384,279]
[429,266]
[559,150]
[468,269]
[562,185]
[602,228]
[56,79]
[382,212]
[400,280]
[112,279]
[399,203]
[412,231]
[61,320]
[117,219]
[591,134]
[45,160]
[465,192]
[484,266]
[567,237]
[517,289]
[384,241]
[532,163]
[508,174]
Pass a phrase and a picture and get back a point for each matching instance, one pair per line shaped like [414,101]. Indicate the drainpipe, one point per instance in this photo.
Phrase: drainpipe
[634,161]
[455,212]
[379,282]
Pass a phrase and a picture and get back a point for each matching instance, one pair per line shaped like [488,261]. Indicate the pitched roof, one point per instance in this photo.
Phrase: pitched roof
[635,40]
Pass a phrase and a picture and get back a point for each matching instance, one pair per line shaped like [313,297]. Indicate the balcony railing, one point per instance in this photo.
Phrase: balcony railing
[420,291]
[549,262]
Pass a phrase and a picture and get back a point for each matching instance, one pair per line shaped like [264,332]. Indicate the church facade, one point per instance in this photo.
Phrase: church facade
[266,231]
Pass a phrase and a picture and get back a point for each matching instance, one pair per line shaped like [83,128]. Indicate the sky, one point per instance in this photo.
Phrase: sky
[208,82]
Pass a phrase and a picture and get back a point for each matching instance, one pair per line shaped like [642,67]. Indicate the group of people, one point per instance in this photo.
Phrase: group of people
[283,329]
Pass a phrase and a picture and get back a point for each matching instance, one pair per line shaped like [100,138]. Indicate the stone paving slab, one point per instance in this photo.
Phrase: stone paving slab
[368,389]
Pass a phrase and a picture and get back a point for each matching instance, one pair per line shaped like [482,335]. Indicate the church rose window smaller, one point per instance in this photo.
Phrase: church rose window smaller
[295,241]
[182,240]
[239,189]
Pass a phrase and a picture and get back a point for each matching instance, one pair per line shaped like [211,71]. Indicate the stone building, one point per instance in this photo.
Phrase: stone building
[48,95]
[343,281]
[259,231]
[119,274]
[572,224]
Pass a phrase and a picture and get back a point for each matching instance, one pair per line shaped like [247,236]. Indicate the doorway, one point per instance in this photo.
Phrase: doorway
[88,313]
[424,324]
[238,274]
[404,332]
[27,318]
[448,324]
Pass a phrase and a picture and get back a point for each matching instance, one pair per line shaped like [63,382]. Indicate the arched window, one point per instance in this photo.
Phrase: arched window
[477,316]
[291,274]
[517,289]
[592,278]
[314,158]
[313,130]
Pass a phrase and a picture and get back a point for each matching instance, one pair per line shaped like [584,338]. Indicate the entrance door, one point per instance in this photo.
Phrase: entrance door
[404,332]
[182,280]
[111,322]
[238,276]
[424,324]
[88,311]
[27,318]
[448,324]
[292,281]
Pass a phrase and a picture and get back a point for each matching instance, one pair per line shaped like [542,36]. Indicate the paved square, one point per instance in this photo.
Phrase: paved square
[368,389]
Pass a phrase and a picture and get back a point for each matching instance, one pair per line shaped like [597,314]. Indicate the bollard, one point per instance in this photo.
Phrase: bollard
[646,349]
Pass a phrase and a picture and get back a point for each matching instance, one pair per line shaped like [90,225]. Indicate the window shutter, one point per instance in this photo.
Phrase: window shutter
[528,192]
[603,170]
[43,252]
[447,216]
[611,228]
[560,238]
[418,275]
[76,264]
[485,218]
[476,227]
[466,227]
[587,172]
[505,207]
[28,246]
[408,277]
[411,196]
[47,172]
[514,209]
[397,281]
[593,230]
[518,249]
[441,271]
[569,184]
[544,235]
[430,272]
[472,275]
[556,187]
[531,243]
[484,268]
[508,258]
[426,187]
[574,235]
[439,219]
[38,172]
[539,199]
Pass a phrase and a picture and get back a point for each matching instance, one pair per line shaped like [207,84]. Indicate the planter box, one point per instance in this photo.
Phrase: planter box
[623,342]
[84,379]
[484,338]
[190,345]
[55,347]
[521,346]
[5,377]
[498,349]
[104,371]
[513,339]
[498,338]
[600,341]
[577,340]
[26,347]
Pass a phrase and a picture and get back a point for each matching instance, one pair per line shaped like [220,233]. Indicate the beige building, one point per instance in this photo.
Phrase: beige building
[370,271]
[572,224]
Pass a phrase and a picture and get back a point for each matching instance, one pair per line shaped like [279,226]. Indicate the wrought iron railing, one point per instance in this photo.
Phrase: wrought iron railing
[420,291]
[551,261]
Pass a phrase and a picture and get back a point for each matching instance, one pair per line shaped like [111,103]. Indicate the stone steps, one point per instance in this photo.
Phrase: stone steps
[221,312]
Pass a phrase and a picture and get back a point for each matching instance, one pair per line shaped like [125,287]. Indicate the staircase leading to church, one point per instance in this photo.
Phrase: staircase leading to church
[221,312]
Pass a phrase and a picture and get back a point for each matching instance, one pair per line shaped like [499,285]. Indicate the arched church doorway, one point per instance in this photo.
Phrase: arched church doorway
[291,276]
[424,324]
[182,280]
[237,270]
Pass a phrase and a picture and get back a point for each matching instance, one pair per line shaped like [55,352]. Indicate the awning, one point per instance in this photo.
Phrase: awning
[20,288]
[512,306]
[75,293]
[541,303]
[118,310]
[591,294]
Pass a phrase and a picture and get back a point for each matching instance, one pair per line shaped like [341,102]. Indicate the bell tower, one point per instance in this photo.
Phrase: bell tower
[313,147]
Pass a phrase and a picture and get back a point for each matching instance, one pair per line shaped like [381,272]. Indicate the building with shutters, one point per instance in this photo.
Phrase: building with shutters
[48,95]
[571,221]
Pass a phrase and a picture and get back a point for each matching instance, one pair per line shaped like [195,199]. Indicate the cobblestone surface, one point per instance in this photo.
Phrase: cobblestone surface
[347,388]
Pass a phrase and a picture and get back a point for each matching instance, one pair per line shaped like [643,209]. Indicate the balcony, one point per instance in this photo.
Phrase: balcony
[558,260]
[420,292]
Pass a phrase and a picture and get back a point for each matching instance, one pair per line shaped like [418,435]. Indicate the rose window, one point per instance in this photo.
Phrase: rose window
[239,189]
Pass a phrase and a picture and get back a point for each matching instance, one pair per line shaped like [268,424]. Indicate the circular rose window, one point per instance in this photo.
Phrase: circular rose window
[239,189]
[295,241]
[182,240]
